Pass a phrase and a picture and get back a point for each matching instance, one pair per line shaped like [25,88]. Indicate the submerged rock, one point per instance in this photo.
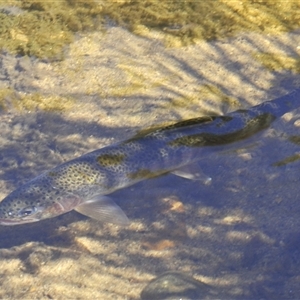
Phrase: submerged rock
[174,285]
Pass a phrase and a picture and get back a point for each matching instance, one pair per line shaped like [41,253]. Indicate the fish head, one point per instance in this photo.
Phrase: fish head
[34,201]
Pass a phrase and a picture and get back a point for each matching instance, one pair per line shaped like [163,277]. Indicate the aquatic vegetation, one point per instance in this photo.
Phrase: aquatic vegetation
[184,22]
[5,94]
[206,91]
[278,62]
[46,102]
[43,28]
[137,79]
[33,101]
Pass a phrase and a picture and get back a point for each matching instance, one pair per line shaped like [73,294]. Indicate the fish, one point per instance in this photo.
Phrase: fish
[84,183]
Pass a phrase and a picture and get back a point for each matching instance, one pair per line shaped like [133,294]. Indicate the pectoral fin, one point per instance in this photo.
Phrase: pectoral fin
[103,209]
[193,173]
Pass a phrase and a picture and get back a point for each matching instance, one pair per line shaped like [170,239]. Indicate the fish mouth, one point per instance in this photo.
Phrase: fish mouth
[10,222]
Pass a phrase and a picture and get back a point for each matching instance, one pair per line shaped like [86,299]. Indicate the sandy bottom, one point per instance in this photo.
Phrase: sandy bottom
[240,234]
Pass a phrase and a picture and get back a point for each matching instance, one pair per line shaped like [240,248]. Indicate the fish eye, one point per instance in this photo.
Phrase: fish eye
[27,211]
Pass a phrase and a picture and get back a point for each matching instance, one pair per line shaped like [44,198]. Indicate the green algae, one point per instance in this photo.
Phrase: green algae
[278,62]
[43,28]
[212,97]
[5,94]
[184,22]
[139,80]
[34,101]
[46,102]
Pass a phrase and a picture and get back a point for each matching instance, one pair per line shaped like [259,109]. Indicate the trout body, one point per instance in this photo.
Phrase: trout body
[83,182]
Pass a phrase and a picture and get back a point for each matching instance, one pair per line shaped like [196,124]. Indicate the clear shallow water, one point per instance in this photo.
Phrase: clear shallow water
[239,235]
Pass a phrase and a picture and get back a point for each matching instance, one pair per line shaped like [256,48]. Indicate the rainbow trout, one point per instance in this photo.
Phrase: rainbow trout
[83,183]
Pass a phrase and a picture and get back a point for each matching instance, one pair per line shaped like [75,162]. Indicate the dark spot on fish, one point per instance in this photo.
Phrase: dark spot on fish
[52,174]
[288,160]
[181,124]
[189,141]
[109,160]
[239,130]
